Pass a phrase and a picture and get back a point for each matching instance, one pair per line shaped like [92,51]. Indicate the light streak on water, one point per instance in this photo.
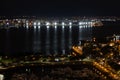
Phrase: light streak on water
[35,49]
[80,33]
[47,40]
[37,42]
[27,39]
[70,36]
[7,42]
[55,40]
[63,39]
[39,37]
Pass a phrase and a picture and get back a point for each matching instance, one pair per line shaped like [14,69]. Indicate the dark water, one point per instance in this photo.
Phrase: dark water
[108,29]
[41,39]
[48,39]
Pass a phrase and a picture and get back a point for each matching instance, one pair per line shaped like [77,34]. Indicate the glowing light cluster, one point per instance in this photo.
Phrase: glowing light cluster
[47,24]
[84,23]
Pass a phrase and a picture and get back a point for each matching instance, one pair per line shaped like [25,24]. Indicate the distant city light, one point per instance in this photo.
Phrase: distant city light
[27,26]
[48,27]
[80,26]
[38,23]
[70,26]
[47,23]
[55,27]
[70,23]
[55,23]
[35,27]
[19,21]
[63,23]
[79,23]
[39,27]
[34,23]
[7,23]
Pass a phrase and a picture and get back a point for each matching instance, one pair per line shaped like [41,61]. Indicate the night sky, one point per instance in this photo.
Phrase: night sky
[60,7]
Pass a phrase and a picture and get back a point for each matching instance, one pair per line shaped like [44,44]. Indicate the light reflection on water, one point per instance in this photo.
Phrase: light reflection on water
[44,39]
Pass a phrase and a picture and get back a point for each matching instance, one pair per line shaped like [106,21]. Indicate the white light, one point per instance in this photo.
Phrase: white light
[79,23]
[47,23]
[63,23]
[38,23]
[89,23]
[70,23]
[34,27]
[80,26]
[34,23]
[83,23]
[7,23]
[86,26]
[55,23]
[39,27]
[19,21]
[63,26]
[56,59]
[26,24]
[55,27]
[1,77]
[70,26]
[27,27]
[48,27]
